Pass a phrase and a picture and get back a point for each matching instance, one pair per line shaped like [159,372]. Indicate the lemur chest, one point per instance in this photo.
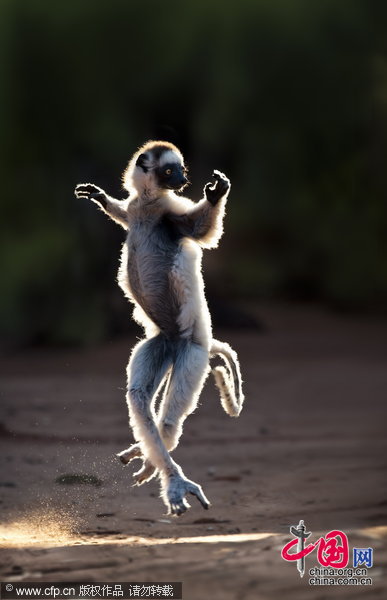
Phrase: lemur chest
[152,252]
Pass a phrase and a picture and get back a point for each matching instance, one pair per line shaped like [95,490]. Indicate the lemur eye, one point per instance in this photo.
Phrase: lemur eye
[168,171]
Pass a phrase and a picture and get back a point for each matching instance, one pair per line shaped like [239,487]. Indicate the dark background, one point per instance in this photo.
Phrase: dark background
[289,99]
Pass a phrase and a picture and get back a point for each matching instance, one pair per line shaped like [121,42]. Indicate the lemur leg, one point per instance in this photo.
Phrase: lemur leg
[149,363]
[147,471]
[188,375]
[187,378]
[180,398]
[134,451]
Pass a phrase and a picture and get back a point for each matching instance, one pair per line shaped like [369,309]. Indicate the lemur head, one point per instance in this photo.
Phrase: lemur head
[155,167]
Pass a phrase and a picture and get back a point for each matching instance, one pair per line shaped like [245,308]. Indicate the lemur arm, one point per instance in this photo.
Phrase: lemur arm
[204,221]
[115,209]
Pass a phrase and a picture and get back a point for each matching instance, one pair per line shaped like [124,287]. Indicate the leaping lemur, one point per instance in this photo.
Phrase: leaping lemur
[160,273]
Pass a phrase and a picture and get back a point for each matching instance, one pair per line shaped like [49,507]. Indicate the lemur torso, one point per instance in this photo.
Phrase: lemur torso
[161,272]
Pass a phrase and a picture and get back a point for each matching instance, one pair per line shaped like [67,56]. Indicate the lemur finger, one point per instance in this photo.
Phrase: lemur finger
[88,187]
[84,193]
[222,183]
[80,192]
[210,186]
[84,187]
[219,175]
[221,179]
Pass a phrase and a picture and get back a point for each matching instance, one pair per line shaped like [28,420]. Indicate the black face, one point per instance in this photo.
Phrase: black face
[171,176]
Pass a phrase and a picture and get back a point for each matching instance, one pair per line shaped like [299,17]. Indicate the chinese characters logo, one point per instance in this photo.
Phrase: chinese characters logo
[332,550]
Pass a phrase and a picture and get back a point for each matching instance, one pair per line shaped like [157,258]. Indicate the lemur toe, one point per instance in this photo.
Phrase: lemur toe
[122,458]
[180,507]
[201,497]
[129,454]
[145,474]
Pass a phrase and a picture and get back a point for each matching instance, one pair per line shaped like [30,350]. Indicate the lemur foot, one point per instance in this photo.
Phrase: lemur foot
[129,454]
[145,474]
[176,490]
[214,191]
[89,191]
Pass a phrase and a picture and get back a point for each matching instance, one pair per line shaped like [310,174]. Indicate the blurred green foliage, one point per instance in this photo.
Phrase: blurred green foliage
[288,98]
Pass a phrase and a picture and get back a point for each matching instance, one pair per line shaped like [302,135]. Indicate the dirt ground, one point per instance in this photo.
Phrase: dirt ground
[310,444]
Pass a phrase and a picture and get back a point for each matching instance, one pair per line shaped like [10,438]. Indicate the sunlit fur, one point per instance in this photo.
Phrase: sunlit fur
[160,273]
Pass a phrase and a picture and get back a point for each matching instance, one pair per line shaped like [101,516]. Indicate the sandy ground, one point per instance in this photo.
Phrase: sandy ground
[310,444]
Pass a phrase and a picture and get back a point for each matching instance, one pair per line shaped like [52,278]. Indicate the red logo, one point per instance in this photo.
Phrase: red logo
[332,550]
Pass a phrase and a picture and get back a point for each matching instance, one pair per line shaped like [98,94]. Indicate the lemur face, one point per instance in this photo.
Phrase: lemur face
[166,164]
[171,175]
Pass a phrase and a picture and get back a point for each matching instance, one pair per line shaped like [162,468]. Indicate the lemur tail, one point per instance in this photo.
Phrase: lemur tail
[228,379]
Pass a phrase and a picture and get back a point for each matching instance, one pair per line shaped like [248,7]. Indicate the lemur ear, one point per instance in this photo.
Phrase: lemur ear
[140,162]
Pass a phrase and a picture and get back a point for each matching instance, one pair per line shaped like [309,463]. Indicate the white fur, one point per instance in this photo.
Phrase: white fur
[171,157]
[229,381]
[186,278]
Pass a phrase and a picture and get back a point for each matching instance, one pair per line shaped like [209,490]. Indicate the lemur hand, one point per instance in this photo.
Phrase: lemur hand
[214,191]
[91,192]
